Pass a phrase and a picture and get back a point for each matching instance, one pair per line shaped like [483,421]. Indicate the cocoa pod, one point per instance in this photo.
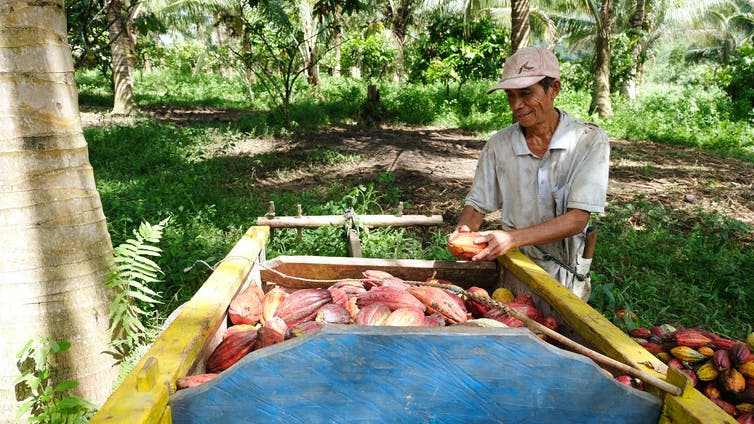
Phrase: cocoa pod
[376,278]
[740,354]
[194,380]
[441,301]
[721,360]
[640,332]
[746,395]
[302,328]
[236,328]
[391,297]
[339,296]
[707,372]
[723,343]
[350,287]
[502,295]
[750,341]
[500,316]
[246,307]
[747,369]
[352,307]
[712,391]
[706,351]
[692,375]
[550,323]
[405,317]
[373,314]
[333,313]
[462,246]
[691,338]
[230,350]
[302,305]
[745,407]
[477,308]
[686,353]
[746,418]
[729,408]
[652,348]
[732,381]
[434,320]
[272,332]
[271,301]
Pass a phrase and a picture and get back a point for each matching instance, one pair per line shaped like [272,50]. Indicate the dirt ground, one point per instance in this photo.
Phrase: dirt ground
[434,167]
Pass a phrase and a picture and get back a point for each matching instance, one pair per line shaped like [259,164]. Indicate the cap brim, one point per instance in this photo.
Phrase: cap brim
[516,83]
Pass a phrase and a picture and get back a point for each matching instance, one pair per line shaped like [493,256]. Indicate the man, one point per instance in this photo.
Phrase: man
[546,173]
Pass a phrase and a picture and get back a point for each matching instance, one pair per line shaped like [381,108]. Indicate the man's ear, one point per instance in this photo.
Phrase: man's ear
[555,87]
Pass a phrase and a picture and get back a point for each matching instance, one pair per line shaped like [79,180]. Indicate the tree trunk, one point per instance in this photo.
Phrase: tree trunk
[121,50]
[56,246]
[336,47]
[601,88]
[400,18]
[630,86]
[520,28]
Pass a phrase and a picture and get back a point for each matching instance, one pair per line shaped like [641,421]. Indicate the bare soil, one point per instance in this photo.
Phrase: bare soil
[434,167]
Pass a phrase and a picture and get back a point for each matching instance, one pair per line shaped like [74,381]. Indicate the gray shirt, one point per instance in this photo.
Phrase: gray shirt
[528,190]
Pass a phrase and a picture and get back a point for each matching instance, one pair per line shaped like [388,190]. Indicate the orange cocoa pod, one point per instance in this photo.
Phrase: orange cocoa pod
[747,369]
[272,332]
[302,305]
[405,317]
[712,391]
[441,301]
[706,351]
[391,297]
[462,246]
[246,307]
[691,338]
[230,350]
[732,381]
[194,380]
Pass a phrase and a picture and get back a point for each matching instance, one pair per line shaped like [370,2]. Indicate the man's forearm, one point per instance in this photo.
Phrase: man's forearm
[471,218]
[558,228]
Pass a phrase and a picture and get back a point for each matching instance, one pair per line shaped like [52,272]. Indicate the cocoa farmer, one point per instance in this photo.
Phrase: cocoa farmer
[546,173]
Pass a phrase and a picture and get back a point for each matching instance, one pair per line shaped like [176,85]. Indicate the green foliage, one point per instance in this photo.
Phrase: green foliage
[132,273]
[44,397]
[451,52]
[373,54]
[695,273]
[738,81]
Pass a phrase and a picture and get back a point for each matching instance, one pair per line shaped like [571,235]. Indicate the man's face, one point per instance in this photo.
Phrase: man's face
[532,105]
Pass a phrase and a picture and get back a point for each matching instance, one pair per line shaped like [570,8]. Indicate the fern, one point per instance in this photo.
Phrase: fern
[132,273]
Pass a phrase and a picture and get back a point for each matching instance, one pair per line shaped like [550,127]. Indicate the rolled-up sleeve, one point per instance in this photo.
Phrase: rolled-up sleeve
[589,185]
[484,195]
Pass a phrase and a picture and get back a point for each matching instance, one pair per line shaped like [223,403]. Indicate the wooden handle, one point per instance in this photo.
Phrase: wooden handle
[591,241]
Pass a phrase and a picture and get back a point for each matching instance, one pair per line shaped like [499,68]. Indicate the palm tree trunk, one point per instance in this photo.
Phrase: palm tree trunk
[122,52]
[520,28]
[630,89]
[56,246]
[601,89]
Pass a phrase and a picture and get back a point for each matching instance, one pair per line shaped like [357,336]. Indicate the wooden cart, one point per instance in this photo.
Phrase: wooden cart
[350,373]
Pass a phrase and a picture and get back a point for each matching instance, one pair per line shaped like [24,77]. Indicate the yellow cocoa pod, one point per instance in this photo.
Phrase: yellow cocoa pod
[747,369]
[502,295]
[745,407]
[664,356]
[707,372]
[706,351]
[688,354]
[750,341]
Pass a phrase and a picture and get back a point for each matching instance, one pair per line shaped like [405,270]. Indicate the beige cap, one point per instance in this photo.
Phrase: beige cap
[527,67]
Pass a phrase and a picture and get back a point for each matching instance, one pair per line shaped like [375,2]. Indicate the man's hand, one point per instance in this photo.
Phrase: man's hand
[498,243]
[459,229]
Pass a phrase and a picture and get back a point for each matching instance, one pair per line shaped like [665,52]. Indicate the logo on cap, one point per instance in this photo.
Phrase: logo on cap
[525,67]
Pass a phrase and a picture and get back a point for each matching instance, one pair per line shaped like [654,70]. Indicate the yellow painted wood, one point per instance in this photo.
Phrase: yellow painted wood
[143,396]
[691,407]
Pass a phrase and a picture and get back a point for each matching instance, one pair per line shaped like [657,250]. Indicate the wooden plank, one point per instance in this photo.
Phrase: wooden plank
[143,396]
[414,375]
[330,269]
[593,327]
[339,220]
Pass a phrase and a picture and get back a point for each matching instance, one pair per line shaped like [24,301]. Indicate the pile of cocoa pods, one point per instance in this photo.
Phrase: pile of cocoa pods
[721,368]
[258,319]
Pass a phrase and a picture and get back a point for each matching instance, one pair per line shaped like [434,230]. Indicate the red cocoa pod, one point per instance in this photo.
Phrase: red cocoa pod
[333,313]
[246,307]
[377,278]
[740,354]
[373,314]
[550,323]
[729,408]
[476,307]
[747,418]
[272,332]
[527,309]
[230,350]
[194,380]
[271,301]
[652,348]
[434,320]
[721,360]
[501,316]
[339,296]
[723,343]
[640,332]
[351,287]
[462,246]
[691,338]
[302,305]
[447,304]
[236,328]
[302,328]
[391,297]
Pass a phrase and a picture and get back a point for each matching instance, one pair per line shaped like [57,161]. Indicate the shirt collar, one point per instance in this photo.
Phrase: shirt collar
[519,144]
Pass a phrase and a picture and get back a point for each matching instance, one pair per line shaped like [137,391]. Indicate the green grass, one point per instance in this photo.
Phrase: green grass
[697,274]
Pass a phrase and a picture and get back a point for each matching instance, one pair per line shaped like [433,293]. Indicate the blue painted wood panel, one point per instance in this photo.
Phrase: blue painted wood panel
[457,374]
